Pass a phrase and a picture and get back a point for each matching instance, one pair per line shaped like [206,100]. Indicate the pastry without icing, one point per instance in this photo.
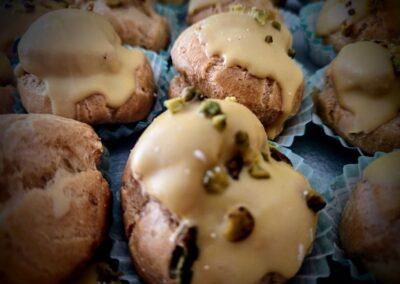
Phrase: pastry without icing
[346,21]
[245,54]
[201,9]
[135,21]
[72,64]
[54,201]
[361,96]
[205,200]
[370,225]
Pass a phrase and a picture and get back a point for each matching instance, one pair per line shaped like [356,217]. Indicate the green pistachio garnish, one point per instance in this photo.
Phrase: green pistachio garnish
[269,39]
[174,105]
[191,93]
[291,53]
[314,200]
[258,172]
[219,121]
[277,155]
[113,3]
[242,139]
[276,25]
[265,155]
[261,16]
[216,180]
[231,99]
[237,8]
[239,225]
[210,108]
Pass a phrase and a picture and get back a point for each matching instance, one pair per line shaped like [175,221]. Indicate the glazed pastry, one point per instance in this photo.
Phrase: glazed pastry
[54,200]
[370,226]
[135,21]
[212,206]
[100,81]
[342,22]
[360,99]
[6,88]
[16,16]
[200,9]
[244,54]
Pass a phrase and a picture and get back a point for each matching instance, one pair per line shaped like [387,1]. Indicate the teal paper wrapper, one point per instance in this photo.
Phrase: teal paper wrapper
[340,190]
[320,53]
[314,266]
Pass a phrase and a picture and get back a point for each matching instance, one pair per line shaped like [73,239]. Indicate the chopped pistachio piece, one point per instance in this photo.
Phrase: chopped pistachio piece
[216,180]
[191,93]
[277,155]
[219,121]
[269,39]
[231,99]
[258,172]
[239,225]
[276,25]
[210,108]
[174,105]
[242,139]
[265,155]
[260,16]
[314,200]
[291,53]
[237,8]
[113,3]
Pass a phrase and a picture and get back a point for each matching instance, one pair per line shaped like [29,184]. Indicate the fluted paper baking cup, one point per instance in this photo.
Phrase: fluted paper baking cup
[314,266]
[317,81]
[321,54]
[116,131]
[179,10]
[340,191]
[172,16]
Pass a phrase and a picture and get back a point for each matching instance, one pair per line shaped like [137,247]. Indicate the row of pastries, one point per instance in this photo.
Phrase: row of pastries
[205,197]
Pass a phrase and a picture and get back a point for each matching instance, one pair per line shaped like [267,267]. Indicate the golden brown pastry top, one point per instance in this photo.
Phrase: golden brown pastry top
[250,221]
[365,82]
[77,53]
[259,43]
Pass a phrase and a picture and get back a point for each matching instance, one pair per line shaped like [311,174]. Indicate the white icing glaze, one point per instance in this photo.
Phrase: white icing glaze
[366,85]
[283,221]
[240,40]
[78,54]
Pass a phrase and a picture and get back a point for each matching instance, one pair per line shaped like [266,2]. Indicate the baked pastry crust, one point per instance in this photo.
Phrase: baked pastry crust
[223,6]
[149,226]
[93,109]
[135,22]
[384,138]
[262,96]
[381,25]
[370,230]
[54,201]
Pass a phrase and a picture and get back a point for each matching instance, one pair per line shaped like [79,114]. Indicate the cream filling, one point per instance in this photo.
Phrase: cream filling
[78,54]
[240,40]
[385,171]
[366,85]
[170,165]
[334,13]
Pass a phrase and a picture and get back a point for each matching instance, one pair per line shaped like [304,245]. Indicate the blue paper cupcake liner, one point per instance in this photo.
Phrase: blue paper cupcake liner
[315,265]
[317,81]
[116,131]
[320,53]
[340,191]
[179,10]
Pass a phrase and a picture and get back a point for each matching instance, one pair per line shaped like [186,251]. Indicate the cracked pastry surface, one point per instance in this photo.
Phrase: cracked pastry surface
[53,200]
